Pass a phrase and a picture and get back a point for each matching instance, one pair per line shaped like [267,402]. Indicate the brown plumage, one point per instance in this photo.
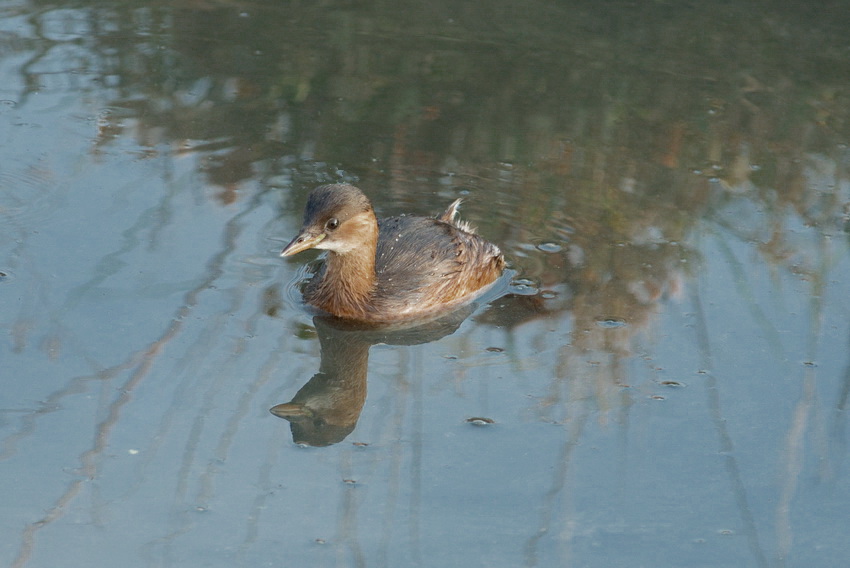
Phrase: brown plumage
[387,270]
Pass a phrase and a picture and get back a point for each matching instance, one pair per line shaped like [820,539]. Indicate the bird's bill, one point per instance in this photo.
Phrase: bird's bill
[302,242]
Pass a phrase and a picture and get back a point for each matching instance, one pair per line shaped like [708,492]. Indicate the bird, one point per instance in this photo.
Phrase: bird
[382,271]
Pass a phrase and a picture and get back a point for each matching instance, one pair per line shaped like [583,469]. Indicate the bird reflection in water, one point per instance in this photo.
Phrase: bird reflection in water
[326,409]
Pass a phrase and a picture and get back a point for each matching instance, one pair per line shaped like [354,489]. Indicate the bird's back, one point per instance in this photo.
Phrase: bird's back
[423,263]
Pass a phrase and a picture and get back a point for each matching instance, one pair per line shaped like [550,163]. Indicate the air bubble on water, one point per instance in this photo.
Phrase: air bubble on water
[611,323]
[480,421]
[549,247]
[524,287]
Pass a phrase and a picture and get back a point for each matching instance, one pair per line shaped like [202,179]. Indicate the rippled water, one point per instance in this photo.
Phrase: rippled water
[661,380]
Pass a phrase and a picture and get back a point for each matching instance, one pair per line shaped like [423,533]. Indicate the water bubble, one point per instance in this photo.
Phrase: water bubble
[494,350]
[549,247]
[611,323]
[480,421]
[524,287]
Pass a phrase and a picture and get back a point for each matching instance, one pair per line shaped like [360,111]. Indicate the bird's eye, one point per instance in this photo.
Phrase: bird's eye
[332,224]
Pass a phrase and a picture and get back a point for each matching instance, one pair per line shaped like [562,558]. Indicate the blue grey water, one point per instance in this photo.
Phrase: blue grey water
[661,380]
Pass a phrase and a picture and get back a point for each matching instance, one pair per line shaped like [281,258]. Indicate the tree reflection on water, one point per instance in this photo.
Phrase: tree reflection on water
[599,147]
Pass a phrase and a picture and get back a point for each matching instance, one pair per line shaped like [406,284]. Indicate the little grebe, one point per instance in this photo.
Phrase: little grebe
[387,270]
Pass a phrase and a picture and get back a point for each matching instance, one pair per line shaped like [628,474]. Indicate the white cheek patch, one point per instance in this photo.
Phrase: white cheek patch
[336,246]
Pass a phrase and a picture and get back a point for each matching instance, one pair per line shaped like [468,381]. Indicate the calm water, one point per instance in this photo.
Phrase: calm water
[661,380]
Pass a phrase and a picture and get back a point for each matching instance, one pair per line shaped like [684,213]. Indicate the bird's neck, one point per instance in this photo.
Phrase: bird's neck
[348,282]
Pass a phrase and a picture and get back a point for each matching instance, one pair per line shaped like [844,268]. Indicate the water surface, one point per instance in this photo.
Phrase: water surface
[662,379]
